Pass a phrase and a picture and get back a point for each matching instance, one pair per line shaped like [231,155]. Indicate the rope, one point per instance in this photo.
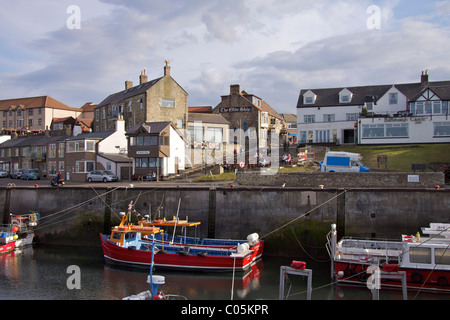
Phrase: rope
[301,216]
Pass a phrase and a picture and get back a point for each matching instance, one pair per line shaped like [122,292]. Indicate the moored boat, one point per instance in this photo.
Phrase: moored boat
[137,245]
[425,260]
[25,224]
[7,239]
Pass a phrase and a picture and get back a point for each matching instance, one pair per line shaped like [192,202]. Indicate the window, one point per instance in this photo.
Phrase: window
[97,115]
[129,106]
[264,118]
[351,116]
[420,255]
[309,97]
[52,167]
[84,166]
[302,137]
[30,123]
[52,150]
[61,166]
[309,100]
[80,146]
[328,118]
[180,123]
[30,112]
[19,112]
[163,141]
[141,104]
[309,118]
[397,130]
[428,105]
[169,103]
[196,133]
[441,129]
[61,150]
[393,98]
[322,136]
[344,99]
[436,107]
[146,162]
[445,107]
[442,256]
[214,135]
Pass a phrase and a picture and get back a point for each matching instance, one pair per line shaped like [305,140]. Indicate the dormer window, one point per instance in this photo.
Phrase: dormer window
[309,97]
[345,96]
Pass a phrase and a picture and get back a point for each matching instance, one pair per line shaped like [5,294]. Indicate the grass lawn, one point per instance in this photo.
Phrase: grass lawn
[226,176]
[400,157]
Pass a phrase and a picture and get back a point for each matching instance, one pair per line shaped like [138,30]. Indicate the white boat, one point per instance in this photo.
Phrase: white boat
[426,260]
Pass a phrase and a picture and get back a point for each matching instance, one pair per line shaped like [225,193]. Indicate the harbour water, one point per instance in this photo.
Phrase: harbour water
[45,273]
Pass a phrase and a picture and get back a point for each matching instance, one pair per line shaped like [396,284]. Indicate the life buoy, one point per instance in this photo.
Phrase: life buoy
[442,281]
[417,277]
[349,272]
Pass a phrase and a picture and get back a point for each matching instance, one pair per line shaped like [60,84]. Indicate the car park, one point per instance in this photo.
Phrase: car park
[4,174]
[30,174]
[101,175]
[16,173]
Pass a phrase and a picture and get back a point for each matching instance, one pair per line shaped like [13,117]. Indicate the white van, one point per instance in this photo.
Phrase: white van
[341,161]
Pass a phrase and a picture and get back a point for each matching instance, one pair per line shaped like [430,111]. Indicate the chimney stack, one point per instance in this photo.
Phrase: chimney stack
[128,84]
[143,77]
[167,68]
[424,78]
[235,89]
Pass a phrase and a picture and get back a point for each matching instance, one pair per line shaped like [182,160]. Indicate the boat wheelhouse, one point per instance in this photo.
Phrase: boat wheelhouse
[426,260]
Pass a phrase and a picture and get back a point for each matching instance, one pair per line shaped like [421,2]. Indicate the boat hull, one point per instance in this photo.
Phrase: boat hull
[417,279]
[8,247]
[258,248]
[25,239]
[143,258]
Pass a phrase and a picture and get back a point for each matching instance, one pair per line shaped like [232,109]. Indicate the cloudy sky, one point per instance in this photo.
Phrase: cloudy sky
[272,48]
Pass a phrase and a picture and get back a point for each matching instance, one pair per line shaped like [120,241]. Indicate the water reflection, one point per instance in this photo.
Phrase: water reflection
[41,273]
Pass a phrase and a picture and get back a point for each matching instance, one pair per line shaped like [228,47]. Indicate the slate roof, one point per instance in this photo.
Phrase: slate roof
[330,96]
[92,136]
[208,118]
[128,93]
[150,127]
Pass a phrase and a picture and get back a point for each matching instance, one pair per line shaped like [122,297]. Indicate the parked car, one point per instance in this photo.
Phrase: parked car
[101,175]
[4,174]
[30,174]
[16,173]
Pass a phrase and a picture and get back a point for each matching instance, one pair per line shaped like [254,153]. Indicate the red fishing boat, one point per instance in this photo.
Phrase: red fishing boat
[137,245]
[425,260]
[7,239]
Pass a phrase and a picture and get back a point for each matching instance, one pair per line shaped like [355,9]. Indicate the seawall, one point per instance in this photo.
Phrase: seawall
[76,215]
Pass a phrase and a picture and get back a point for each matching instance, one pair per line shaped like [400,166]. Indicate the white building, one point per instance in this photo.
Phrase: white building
[382,114]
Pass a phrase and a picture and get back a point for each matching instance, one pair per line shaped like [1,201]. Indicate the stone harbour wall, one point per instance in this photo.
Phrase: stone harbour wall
[316,179]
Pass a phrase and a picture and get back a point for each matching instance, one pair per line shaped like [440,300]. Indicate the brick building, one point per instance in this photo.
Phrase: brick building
[251,114]
[160,99]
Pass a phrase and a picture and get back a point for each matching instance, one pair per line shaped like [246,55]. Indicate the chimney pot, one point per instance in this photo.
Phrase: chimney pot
[424,78]
[167,68]
[143,77]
